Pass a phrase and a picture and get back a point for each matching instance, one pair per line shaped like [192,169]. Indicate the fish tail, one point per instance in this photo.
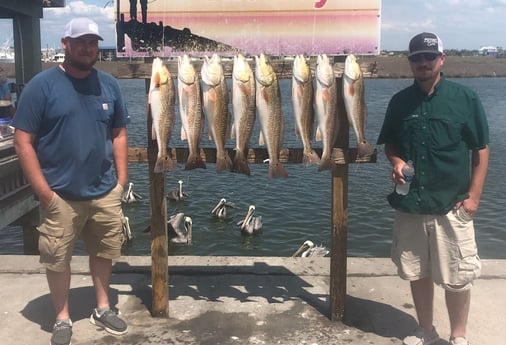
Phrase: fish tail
[164,163]
[240,164]
[327,164]
[365,149]
[194,161]
[277,170]
[223,163]
[311,158]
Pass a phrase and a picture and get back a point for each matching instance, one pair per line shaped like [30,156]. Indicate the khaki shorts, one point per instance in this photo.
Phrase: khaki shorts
[97,221]
[442,247]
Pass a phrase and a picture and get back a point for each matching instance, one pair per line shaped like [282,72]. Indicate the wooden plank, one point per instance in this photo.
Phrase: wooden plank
[339,202]
[158,218]
[255,155]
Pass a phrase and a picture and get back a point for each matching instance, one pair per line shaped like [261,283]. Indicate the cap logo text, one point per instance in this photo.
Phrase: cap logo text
[430,41]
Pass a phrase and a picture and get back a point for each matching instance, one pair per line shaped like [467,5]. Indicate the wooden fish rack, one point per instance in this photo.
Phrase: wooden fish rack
[342,154]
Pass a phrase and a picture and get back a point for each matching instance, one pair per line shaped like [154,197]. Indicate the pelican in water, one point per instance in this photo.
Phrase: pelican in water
[220,209]
[130,196]
[178,194]
[179,228]
[308,249]
[251,224]
[127,232]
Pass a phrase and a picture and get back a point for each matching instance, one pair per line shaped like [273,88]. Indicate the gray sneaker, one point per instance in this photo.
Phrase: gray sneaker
[459,341]
[421,337]
[62,332]
[110,321]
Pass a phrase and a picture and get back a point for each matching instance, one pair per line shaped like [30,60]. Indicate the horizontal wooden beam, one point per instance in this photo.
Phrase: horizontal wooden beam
[255,155]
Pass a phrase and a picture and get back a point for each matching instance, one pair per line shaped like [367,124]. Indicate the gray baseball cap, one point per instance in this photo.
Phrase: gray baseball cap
[78,27]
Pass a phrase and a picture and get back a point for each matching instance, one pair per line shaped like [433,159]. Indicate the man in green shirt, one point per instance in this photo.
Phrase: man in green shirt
[442,128]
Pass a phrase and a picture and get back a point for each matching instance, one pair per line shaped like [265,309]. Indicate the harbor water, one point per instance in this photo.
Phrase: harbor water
[297,208]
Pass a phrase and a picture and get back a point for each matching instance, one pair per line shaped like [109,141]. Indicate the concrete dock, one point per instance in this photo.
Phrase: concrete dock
[243,300]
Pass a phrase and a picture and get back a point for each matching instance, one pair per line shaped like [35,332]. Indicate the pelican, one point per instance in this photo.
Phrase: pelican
[220,210]
[251,224]
[176,233]
[178,194]
[127,232]
[130,196]
[308,249]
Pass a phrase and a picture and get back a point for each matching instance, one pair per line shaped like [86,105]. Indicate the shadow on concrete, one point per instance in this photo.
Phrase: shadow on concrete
[276,284]
[81,301]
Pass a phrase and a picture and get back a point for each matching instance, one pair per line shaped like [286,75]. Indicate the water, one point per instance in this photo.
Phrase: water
[298,208]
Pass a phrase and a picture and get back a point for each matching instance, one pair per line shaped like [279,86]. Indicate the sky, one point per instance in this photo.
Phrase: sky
[461,24]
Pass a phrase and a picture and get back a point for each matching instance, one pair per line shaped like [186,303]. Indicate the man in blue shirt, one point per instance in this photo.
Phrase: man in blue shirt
[71,140]
[436,123]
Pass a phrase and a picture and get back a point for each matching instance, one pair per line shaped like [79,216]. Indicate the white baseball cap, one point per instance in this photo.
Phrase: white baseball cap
[78,27]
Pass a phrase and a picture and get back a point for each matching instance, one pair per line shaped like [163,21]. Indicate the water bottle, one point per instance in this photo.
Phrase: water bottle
[409,172]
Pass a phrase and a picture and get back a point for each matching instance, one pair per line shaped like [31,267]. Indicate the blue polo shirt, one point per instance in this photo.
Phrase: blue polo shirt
[73,121]
[436,132]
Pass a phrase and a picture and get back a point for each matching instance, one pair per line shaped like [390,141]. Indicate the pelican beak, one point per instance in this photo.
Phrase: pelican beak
[219,205]
[188,224]
[246,220]
[301,249]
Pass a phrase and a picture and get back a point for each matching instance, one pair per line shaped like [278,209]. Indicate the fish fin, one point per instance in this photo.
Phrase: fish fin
[326,95]
[311,158]
[261,140]
[240,164]
[277,170]
[327,164]
[164,164]
[211,94]
[156,79]
[300,91]
[194,161]
[265,94]
[351,90]
[318,136]
[245,89]
[224,163]
[365,149]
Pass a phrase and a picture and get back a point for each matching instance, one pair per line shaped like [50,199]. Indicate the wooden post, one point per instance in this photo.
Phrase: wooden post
[159,243]
[339,204]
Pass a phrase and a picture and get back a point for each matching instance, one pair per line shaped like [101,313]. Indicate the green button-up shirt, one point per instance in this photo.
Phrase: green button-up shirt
[436,132]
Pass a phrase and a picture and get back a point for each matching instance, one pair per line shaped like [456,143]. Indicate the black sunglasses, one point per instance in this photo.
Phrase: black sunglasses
[425,56]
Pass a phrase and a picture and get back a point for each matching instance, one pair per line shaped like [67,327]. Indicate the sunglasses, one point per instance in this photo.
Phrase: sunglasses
[424,56]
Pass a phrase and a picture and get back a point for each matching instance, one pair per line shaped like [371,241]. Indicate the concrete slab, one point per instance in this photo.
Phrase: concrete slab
[242,300]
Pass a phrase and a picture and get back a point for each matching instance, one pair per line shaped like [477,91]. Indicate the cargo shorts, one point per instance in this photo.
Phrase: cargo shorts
[442,247]
[98,222]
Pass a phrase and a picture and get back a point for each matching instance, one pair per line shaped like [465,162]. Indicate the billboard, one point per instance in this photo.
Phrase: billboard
[251,27]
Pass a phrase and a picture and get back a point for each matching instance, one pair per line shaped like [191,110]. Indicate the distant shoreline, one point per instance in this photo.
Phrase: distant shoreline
[385,67]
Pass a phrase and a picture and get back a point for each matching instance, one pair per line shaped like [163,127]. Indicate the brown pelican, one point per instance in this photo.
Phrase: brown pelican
[308,249]
[179,228]
[220,210]
[127,232]
[130,196]
[251,224]
[178,194]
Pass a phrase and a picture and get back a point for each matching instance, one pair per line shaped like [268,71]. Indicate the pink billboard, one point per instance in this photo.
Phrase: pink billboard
[276,27]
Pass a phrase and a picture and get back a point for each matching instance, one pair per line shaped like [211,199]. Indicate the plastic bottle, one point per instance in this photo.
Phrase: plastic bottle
[409,172]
